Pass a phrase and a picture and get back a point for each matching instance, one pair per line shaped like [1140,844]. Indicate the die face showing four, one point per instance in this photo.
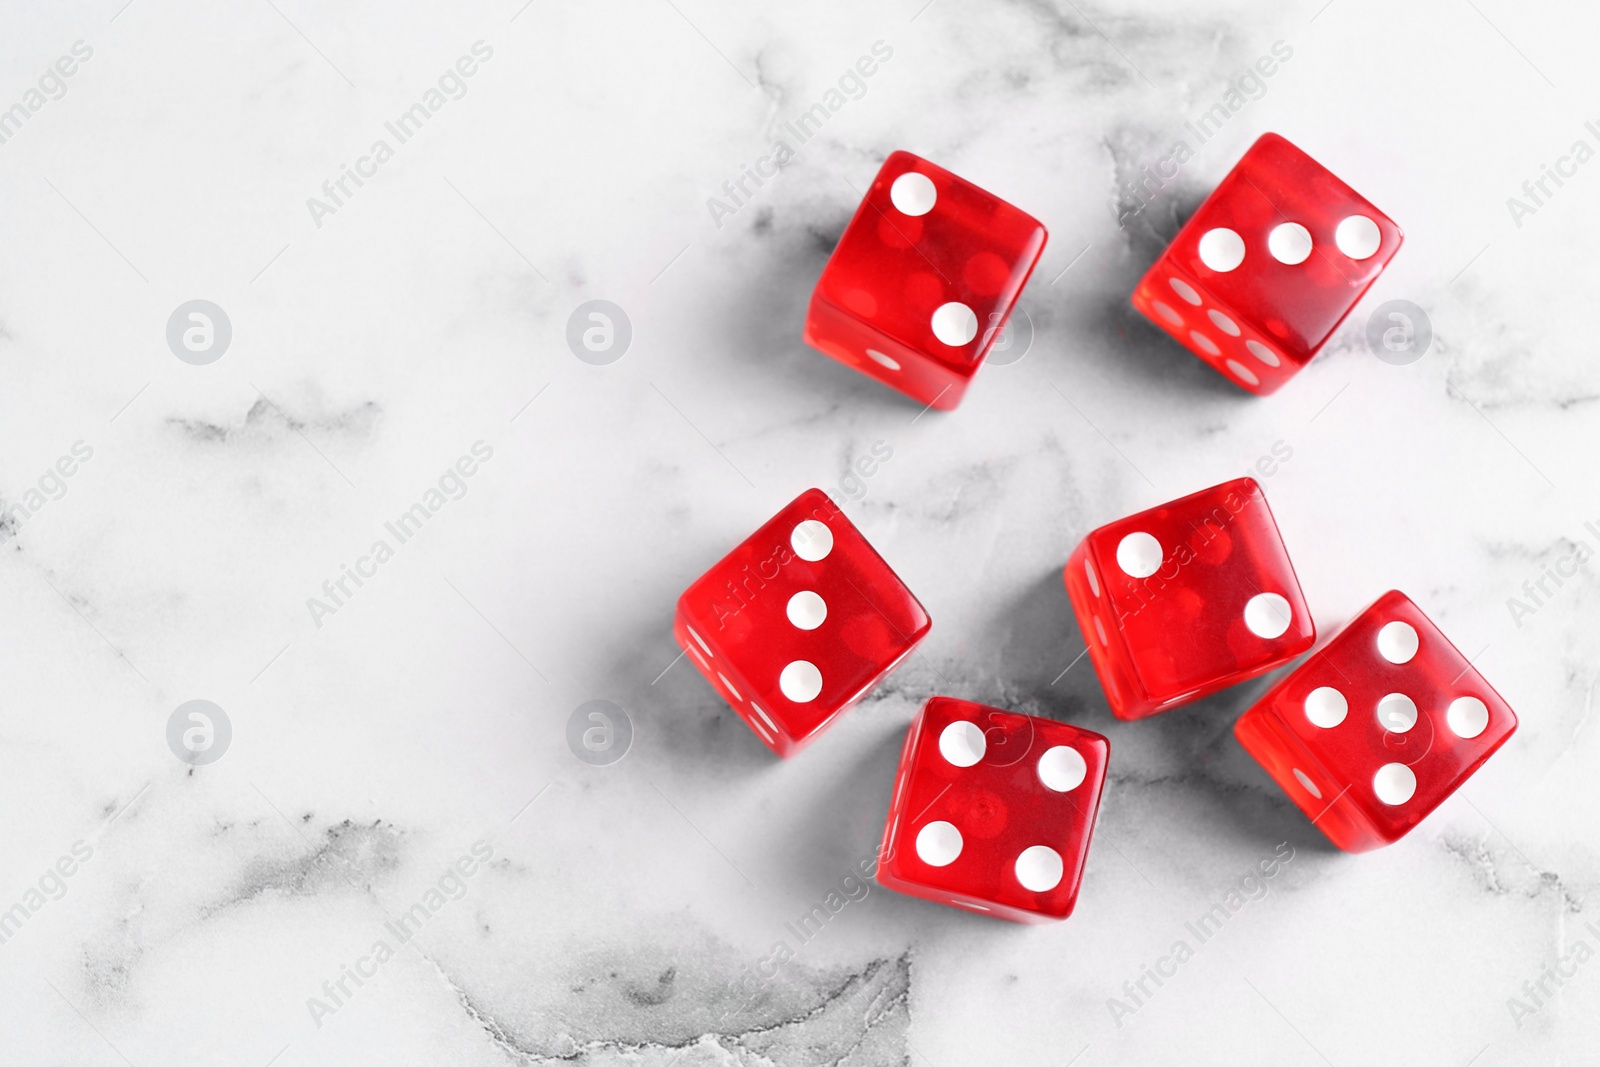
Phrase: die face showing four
[922,280]
[993,811]
[799,622]
[1268,267]
[1377,728]
[1187,598]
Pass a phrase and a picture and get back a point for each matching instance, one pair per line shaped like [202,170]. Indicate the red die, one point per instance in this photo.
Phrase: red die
[1269,266]
[993,811]
[922,280]
[1188,598]
[1378,728]
[799,622]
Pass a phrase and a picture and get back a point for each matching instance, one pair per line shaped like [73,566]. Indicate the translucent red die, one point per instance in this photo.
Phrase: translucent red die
[1257,281]
[993,811]
[1187,598]
[1377,728]
[922,281]
[799,622]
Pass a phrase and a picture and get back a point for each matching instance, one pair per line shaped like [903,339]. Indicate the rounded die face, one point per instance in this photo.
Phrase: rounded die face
[1287,245]
[993,811]
[932,262]
[800,620]
[1395,717]
[1200,592]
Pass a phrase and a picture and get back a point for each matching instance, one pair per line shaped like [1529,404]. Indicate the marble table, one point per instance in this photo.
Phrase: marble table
[382,847]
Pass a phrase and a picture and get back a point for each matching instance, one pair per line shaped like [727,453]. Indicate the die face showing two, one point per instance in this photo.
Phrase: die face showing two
[1257,281]
[1377,728]
[1187,598]
[922,280]
[799,622]
[993,811]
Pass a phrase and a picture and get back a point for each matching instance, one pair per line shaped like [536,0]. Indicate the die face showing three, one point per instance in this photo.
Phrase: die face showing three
[922,280]
[993,811]
[1187,598]
[798,622]
[1257,281]
[1377,728]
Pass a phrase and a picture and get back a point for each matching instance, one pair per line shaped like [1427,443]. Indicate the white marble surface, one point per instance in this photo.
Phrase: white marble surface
[618,914]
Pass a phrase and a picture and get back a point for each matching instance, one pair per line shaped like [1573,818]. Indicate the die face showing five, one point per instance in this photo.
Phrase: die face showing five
[1377,728]
[798,622]
[1187,598]
[922,280]
[1280,252]
[993,811]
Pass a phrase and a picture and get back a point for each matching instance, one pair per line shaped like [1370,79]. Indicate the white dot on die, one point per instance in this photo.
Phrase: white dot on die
[879,358]
[1100,632]
[1397,713]
[764,716]
[1223,323]
[800,681]
[1467,716]
[807,610]
[1088,568]
[1394,783]
[1263,353]
[1267,615]
[729,684]
[1326,707]
[962,743]
[1166,312]
[938,844]
[1039,868]
[954,323]
[700,641]
[1289,243]
[913,193]
[1244,373]
[1204,343]
[1185,290]
[1062,768]
[1358,237]
[811,540]
[1303,779]
[1397,642]
[1139,555]
[1221,249]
